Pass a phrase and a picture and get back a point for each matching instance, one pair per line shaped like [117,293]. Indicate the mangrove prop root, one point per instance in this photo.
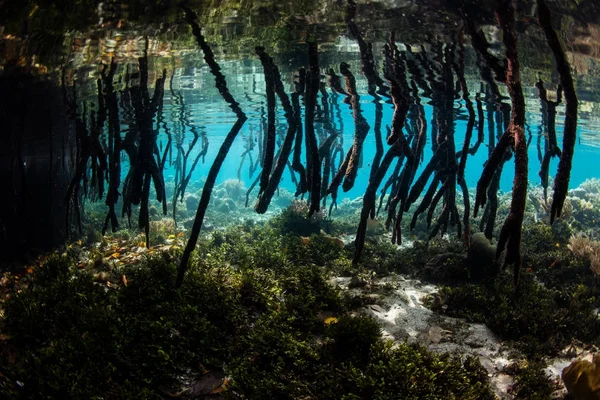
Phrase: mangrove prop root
[435,200]
[330,146]
[491,165]
[215,69]
[460,72]
[140,145]
[421,182]
[444,162]
[395,73]
[427,198]
[273,181]
[419,144]
[261,137]
[391,182]
[88,148]
[396,76]
[467,204]
[325,147]
[205,198]
[296,160]
[415,72]
[370,197]
[312,148]
[510,234]
[480,125]
[221,85]
[361,128]
[335,83]
[114,150]
[250,189]
[270,133]
[377,132]
[85,151]
[488,219]
[561,182]
[338,177]
[549,123]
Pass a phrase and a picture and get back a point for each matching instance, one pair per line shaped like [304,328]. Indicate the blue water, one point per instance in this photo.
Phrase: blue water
[205,109]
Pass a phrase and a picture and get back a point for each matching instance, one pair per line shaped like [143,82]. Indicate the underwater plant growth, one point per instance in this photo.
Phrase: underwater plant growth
[407,76]
[261,319]
[316,200]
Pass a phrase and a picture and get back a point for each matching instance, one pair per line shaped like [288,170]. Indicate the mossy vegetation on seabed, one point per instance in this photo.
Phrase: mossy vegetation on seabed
[554,305]
[249,304]
[538,320]
[555,302]
[531,381]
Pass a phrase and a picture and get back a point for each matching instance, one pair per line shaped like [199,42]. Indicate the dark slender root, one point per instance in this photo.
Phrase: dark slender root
[460,72]
[296,162]
[491,165]
[269,139]
[312,148]
[114,150]
[510,235]
[467,204]
[273,180]
[221,84]
[561,182]
[480,126]
[361,128]
[370,197]
[549,123]
[425,202]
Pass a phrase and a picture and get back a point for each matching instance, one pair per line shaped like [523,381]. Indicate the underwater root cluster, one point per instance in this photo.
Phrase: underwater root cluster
[447,166]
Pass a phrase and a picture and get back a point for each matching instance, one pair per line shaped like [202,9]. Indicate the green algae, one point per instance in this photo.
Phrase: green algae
[531,381]
[554,305]
[252,304]
[539,321]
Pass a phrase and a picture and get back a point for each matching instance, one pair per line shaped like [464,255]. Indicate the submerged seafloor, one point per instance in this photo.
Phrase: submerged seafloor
[425,293]
[216,301]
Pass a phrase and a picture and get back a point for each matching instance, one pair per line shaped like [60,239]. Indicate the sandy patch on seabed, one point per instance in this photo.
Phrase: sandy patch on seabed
[404,318]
